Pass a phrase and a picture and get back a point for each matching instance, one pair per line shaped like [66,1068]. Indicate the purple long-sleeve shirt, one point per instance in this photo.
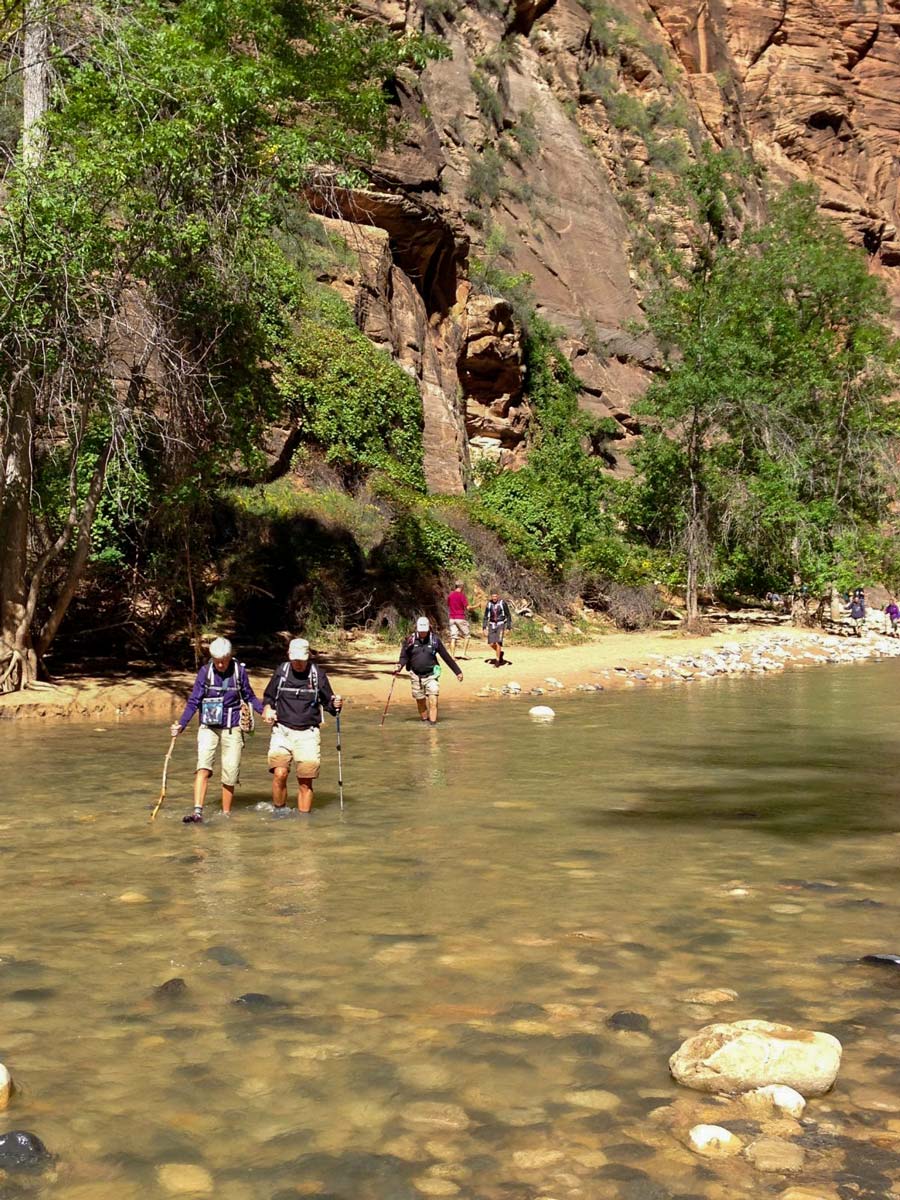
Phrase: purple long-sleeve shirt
[237,688]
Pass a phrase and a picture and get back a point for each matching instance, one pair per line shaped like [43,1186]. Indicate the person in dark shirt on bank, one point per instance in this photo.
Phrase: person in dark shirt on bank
[497,620]
[295,697]
[419,655]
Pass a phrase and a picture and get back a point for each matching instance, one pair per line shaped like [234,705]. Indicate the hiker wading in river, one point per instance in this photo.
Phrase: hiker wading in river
[225,699]
[295,697]
[419,655]
[497,619]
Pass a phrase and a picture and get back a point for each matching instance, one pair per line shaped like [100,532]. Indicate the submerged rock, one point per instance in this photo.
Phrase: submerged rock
[185,1179]
[172,989]
[745,1055]
[23,1151]
[226,957]
[625,1019]
[710,996]
[258,1000]
[775,1154]
[775,1098]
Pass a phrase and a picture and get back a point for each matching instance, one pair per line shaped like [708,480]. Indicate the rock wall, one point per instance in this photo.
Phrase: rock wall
[546,147]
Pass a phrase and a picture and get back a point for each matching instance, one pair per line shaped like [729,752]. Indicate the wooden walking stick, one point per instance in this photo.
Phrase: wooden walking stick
[162,790]
[390,693]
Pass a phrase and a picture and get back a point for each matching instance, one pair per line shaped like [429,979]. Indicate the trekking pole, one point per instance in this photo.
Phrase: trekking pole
[340,760]
[390,693]
[162,790]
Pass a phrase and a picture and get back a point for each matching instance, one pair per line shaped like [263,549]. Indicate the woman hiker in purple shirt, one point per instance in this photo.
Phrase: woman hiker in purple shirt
[221,692]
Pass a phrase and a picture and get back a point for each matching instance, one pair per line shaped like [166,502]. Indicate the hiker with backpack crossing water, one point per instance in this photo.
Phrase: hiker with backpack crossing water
[419,655]
[295,697]
[225,699]
[497,620]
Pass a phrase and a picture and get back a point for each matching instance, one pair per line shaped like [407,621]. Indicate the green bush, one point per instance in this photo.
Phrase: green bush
[488,99]
[485,181]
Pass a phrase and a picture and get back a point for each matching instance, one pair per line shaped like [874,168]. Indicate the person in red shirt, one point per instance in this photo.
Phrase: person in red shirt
[458,612]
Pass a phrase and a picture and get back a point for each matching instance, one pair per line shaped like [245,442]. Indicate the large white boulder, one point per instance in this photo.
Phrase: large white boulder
[6,1086]
[743,1055]
[541,712]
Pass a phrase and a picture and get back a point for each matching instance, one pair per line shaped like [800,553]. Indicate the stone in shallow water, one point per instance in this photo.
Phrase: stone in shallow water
[876,1099]
[534,1160]
[226,957]
[774,1154]
[711,996]
[433,1114]
[22,1151]
[595,1099]
[172,989]
[185,1179]
[625,1019]
[430,1185]
[258,1000]
[713,1141]
[6,1086]
[749,1054]
[774,1097]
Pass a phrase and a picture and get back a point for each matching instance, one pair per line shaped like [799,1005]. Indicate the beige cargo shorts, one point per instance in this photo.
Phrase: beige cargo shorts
[231,743]
[302,746]
[424,685]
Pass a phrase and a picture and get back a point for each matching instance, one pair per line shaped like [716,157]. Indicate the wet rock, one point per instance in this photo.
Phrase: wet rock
[535,1160]
[713,1141]
[774,1154]
[6,1086]
[882,960]
[595,1099]
[23,1151]
[431,1185]
[876,1099]
[744,1055]
[433,1114]
[774,1098]
[808,1193]
[226,957]
[709,996]
[185,1179]
[132,898]
[541,712]
[625,1019]
[172,989]
[258,1000]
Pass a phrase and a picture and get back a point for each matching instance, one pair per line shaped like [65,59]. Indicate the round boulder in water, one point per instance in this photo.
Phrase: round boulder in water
[541,712]
[6,1086]
[22,1151]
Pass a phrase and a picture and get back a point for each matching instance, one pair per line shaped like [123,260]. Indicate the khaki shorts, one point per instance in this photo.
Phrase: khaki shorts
[459,628]
[424,685]
[300,745]
[232,743]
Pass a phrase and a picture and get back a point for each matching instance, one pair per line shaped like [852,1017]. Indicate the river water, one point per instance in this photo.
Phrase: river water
[433,973]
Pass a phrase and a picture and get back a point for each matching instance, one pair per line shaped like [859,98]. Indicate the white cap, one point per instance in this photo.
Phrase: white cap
[298,649]
[220,648]
[423,625]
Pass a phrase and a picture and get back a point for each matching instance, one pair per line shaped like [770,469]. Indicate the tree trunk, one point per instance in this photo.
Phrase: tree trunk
[18,662]
[694,539]
[35,82]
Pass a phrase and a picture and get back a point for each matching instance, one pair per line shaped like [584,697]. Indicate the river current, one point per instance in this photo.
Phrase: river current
[470,981]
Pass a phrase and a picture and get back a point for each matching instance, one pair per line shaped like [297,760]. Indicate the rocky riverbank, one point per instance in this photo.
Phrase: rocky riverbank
[362,672]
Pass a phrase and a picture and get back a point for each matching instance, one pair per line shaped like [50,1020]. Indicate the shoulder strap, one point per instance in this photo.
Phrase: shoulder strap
[210,676]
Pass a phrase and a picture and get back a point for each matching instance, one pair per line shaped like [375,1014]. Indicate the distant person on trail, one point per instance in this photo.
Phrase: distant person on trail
[458,613]
[497,619]
[419,655]
[891,617]
[225,700]
[858,613]
[295,697]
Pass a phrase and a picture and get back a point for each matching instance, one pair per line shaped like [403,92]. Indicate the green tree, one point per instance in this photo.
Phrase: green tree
[773,434]
[141,290]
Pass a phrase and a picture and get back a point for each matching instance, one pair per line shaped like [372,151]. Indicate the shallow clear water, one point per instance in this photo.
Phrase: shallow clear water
[441,960]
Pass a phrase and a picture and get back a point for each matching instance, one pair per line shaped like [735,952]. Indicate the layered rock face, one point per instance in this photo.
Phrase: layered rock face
[816,85]
[546,149]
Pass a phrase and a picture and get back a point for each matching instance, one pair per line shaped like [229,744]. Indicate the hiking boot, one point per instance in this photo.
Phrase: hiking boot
[194,818]
[279,810]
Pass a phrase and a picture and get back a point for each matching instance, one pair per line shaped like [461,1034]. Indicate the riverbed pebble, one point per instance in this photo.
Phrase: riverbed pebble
[596,1099]
[750,1054]
[433,1114]
[775,1154]
[133,898]
[185,1179]
[709,996]
[714,1141]
[6,1086]
[536,1160]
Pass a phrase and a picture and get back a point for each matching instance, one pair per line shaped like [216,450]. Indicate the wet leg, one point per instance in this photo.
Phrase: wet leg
[201,783]
[304,795]
[432,709]
[422,706]
[279,786]
[227,797]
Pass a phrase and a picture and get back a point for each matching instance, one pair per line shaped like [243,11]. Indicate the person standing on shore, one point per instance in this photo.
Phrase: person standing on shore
[858,612]
[295,697]
[458,614]
[497,619]
[224,697]
[891,617]
[419,655]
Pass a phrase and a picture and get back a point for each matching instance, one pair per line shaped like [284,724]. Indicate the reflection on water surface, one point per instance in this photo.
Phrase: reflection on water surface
[428,983]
